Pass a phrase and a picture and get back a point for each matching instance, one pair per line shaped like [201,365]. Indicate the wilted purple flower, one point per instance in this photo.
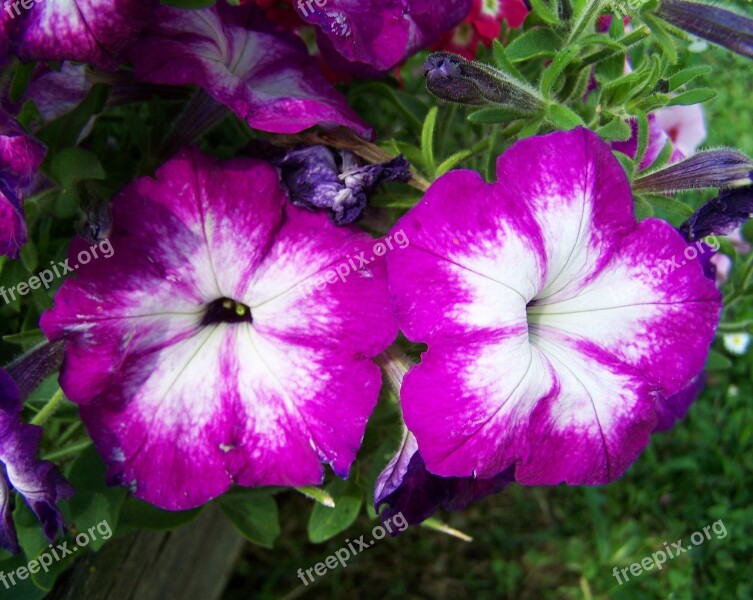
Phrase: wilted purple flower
[38,482]
[198,354]
[712,23]
[373,36]
[455,79]
[407,487]
[319,178]
[20,157]
[550,339]
[722,215]
[708,169]
[91,31]
[56,93]
[266,77]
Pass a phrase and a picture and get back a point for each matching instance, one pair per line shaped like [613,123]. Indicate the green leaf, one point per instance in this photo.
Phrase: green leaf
[696,96]
[493,115]
[27,340]
[254,515]
[65,131]
[616,129]
[317,494]
[559,64]
[324,522]
[451,162]
[664,39]
[563,117]
[29,257]
[599,39]
[21,79]
[717,362]
[534,43]
[427,138]
[24,589]
[504,63]
[545,13]
[73,165]
[685,75]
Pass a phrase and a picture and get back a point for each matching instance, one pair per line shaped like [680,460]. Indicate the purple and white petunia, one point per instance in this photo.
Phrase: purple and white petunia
[377,35]
[551,339]
[91,31]
[38,482]
[199,358]
[266,77]
[20,157]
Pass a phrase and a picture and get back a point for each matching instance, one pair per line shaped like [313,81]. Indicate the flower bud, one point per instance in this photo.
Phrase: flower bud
[708,169]
[453,78]
[723,27]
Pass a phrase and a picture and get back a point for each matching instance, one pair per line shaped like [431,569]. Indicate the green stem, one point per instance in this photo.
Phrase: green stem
[69,451]
[630,39]
[49,409]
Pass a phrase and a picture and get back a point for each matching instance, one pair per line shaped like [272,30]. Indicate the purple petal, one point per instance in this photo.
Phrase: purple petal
[657,139]
[376,35]
[409,489]
[91,31]
[549,331]
[268,79]
[181,409]
[38,482]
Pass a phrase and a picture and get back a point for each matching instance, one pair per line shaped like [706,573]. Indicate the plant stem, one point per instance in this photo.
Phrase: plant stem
[49,409]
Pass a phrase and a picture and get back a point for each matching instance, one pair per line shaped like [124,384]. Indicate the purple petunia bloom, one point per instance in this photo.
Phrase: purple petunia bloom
[335,180]
[377,35]
[91,31]
[20,157]
[267,78]
[408,488]
[38,482]
[551,338]
[197,356]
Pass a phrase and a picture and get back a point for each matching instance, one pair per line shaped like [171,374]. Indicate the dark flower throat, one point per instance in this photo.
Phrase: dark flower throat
[225,310]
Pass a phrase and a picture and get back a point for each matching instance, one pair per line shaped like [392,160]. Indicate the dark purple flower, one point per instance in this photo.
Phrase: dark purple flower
[38,482]
[376,35]
[722,215]
[319,178]
[455,79]
[407,487]
[267,78]
[712,23]
[20,157]
[88,31]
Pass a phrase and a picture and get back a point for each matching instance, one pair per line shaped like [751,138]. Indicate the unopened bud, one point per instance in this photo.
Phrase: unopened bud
[708,169]
[720,216]
[453,78]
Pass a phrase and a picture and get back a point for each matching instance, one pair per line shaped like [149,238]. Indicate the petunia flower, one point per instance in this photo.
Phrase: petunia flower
[408,488]
[38,482]
[373,36]
[550,337]
[657,139]
[91,31]
[196,353]
[267,78]
[335,180]
[685,126]
[20,157]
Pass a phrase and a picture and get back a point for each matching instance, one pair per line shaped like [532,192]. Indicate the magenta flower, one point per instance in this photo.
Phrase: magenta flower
[377,35]
[20,157]
[196,353]
[551,337]
[685,126]
[79,30]
[38,482]
[268,79]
